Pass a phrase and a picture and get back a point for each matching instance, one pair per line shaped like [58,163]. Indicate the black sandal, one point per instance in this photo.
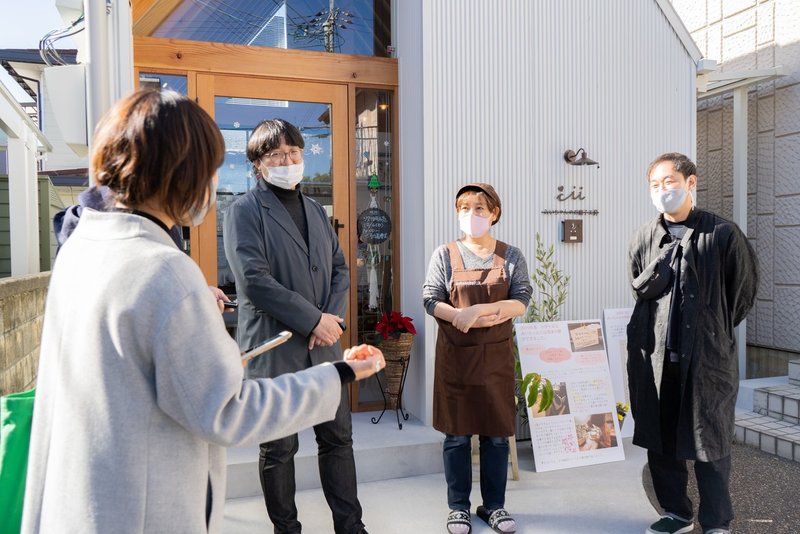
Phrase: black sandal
[496,518]
[458,518]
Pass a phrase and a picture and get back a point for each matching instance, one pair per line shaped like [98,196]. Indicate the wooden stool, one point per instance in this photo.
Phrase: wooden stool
[512,449]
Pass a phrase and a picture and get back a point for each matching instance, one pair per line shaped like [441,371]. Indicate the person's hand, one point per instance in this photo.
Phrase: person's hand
[327,332]
[490,320]
[485,321]
[220,297]
[466,317]
[364,360]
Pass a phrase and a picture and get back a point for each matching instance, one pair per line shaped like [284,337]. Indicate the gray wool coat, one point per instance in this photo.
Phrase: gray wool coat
[282,283]
[719,279]
[140,389]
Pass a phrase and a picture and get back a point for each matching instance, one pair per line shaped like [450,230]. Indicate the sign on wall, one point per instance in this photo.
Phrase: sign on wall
[580,428]
[615,325]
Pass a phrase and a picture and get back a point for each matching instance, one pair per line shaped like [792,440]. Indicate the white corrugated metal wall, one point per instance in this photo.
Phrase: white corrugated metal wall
[509,86]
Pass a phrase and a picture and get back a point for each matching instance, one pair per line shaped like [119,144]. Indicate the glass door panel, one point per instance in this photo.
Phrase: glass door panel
[237,117]
[238,104]
[375,209]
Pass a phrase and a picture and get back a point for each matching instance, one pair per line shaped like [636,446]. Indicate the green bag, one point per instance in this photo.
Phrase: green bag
[16,413]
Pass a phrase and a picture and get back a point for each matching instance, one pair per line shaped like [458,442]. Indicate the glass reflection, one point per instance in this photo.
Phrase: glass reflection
[236,118]
[374,208]
[361,27]
[173,82]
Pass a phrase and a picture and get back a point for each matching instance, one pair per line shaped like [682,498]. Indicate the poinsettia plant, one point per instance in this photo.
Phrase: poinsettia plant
[392,324]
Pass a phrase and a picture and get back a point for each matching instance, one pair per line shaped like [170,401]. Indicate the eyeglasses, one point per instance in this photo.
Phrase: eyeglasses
[276,157]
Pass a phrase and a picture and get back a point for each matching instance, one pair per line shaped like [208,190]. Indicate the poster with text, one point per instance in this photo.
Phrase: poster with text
[615,326]
[580,427]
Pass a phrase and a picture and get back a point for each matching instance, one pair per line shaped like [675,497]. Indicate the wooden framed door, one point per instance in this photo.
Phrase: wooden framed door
[358,99]
[238,104]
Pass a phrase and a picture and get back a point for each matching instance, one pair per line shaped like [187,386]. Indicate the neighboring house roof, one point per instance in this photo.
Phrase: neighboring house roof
[16,62]
[680,29]
[68,177]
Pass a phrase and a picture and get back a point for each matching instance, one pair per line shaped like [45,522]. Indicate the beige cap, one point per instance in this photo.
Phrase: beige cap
[486,189]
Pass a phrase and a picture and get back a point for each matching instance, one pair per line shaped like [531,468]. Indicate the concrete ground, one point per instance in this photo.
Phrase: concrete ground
[610,498]
[764,490]
[601,498]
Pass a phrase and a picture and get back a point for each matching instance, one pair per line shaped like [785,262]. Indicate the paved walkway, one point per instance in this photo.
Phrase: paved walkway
[764,490]
[606,498]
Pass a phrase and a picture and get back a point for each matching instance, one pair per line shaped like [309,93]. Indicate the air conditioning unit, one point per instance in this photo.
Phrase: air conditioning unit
[64,100]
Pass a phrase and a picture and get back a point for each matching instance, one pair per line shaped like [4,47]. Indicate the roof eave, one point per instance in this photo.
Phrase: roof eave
[680,29]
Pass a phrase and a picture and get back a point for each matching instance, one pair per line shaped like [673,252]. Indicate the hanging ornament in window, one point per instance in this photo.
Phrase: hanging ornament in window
[373,228]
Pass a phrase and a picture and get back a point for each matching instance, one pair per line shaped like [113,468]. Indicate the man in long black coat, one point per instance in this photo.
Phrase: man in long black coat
[695,278]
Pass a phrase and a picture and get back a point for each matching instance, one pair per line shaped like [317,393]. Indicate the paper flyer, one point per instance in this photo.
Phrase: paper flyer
[580,427]
[615,325]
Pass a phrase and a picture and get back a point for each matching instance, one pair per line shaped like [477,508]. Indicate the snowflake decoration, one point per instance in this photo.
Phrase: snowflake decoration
[316,149]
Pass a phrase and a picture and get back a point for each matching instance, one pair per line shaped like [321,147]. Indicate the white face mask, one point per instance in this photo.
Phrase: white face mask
[199,215]
[473,225]
[285,176]
[668,201]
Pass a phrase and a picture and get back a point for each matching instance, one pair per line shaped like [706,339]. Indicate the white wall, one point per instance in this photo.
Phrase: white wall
[745,35]
[413,236]
[504,94]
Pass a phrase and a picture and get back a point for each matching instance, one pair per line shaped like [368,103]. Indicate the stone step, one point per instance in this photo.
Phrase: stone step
[794,372]
[780,438]
[778,402]
[382,452]
[747,388]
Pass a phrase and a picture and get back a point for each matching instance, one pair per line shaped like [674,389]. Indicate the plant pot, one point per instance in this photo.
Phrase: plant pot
[396,352]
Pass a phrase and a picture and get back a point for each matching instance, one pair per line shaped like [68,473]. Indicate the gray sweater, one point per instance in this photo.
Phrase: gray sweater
[440,275]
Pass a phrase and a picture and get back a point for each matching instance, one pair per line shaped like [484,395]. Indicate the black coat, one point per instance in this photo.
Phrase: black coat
[282,283]
[719,279]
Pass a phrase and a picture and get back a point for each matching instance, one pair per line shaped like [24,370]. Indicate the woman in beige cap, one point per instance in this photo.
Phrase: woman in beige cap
[474,287]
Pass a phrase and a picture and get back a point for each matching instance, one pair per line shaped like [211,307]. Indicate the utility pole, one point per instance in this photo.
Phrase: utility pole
[327,28]
[325,25]
[97,70]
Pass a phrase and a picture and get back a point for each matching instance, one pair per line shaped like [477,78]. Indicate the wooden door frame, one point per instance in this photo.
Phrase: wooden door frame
[333,94]
[242,71]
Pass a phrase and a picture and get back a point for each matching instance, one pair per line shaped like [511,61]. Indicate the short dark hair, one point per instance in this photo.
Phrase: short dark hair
[158,145]
[681,163]
[267,136]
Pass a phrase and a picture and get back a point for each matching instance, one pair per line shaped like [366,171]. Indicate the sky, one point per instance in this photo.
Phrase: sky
[22,24]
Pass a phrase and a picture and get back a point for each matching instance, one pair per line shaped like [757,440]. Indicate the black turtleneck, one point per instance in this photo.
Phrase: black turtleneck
[292,200]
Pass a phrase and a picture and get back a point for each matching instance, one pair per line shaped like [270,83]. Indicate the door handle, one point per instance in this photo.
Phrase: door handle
[336,226]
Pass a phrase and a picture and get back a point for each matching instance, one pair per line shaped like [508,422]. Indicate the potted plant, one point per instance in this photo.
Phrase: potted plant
[394,334]
[550,294]
[622,411]
[393,325]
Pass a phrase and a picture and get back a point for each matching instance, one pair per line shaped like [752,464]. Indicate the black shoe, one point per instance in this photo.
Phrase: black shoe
[670,525]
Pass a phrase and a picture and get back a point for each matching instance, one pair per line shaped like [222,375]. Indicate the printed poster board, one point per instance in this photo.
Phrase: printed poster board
[615,325]
[580,428]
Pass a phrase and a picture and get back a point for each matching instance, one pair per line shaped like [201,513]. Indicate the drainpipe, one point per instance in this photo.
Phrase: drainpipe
[97,71]
[740,197]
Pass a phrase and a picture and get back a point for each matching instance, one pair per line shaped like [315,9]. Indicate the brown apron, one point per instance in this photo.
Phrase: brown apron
[473,386]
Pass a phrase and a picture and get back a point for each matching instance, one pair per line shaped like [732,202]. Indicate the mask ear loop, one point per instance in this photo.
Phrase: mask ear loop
[693,192]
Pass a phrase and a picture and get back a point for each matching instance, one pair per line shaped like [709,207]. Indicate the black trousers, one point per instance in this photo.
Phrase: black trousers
[337,473]
[671,475]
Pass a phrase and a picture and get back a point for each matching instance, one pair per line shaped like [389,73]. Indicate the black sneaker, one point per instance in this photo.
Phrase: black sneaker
[670,525]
